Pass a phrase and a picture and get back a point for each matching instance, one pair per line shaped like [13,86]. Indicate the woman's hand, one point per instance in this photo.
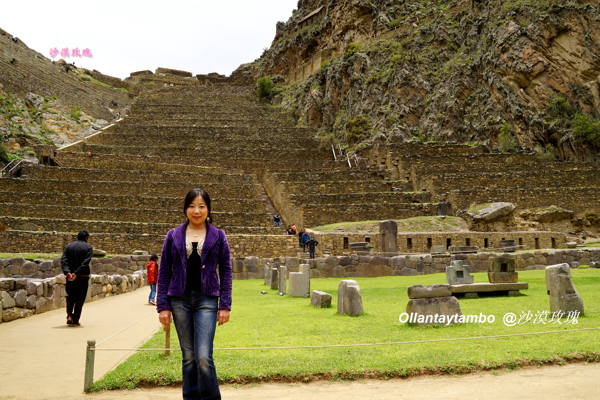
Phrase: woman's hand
[223,317]
[165,317]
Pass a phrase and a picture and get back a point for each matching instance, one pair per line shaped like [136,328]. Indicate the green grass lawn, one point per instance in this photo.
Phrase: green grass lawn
[270,320]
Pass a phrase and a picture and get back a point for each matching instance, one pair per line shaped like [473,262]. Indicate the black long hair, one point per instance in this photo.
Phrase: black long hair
[191,196]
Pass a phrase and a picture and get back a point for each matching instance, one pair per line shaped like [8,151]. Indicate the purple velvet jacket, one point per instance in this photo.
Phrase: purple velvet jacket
[215,252]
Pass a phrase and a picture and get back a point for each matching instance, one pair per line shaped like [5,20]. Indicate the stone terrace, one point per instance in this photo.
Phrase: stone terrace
[218,137]
[466,175]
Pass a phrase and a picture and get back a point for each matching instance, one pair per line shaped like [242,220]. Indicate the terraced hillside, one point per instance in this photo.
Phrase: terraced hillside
[125,185]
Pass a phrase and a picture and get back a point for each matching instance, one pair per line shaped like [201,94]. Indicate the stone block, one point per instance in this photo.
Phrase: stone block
[463,249]
[291,262]
[40,305]
[502,270]
[388,232]
[20,297]
[457,274]
[7,284]
[252,261]
[320,299]
[431,291]
[19,261]
[31,300]
[300,282]
[45,266]
[268,274]
[409,271]
[418,310]
[562,292]
[282,279]
[339,272]
[349,298]
[332,261]
[345,260]
[438,249]
[11,314]
[397,262]
[275,278]
[7,300]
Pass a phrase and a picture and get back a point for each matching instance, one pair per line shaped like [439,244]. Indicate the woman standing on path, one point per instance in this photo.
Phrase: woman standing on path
[194,288]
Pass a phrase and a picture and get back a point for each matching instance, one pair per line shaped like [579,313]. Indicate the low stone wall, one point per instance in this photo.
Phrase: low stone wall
[406,265]
[421,242]
[241,245]
[24,297]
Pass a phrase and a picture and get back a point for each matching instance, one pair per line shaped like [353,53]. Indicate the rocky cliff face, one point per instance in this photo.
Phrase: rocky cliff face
[508,73]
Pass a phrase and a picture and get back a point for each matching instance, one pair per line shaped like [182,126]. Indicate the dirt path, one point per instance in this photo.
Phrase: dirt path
[571,382]
[40,358]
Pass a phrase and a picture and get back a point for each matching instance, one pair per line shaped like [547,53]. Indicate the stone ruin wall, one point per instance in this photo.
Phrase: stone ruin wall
[353,266]
[114,243]
[45,290]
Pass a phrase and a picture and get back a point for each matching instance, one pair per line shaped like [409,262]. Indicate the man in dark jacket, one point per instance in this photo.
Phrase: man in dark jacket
[311,247]
[75,263]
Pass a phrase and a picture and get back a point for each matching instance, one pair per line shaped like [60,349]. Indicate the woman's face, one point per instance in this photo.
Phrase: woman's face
[197,212]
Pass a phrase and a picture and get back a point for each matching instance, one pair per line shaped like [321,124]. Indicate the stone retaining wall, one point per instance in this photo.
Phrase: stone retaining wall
[24,297]
[130,188]
[581,200]
[107,216]
[516,179]
[139,202]
[56,173]
[241,245]
[407,265]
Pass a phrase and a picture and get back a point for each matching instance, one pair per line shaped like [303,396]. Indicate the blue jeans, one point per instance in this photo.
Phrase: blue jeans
[152,292]
[195,318]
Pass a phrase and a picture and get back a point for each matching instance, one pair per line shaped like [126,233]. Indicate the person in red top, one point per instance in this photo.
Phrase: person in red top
[152,268]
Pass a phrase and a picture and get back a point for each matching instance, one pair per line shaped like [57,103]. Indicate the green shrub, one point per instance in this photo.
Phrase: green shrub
[265,85]
[4,155]
[357,128]
[586,129]
[353,48]
[76,113]
[560,107]
[506,140]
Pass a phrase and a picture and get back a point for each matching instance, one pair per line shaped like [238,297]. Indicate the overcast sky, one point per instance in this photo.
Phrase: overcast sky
[125,36]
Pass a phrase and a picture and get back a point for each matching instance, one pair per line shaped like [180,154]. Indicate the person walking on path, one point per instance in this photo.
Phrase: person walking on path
[312,243]
[75,263]
[277,220]
[152,269]
[305,239]
[290,231]
[194,290]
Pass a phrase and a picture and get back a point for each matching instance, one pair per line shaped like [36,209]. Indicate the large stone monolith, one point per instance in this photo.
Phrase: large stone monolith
[563,295]
[349,298]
